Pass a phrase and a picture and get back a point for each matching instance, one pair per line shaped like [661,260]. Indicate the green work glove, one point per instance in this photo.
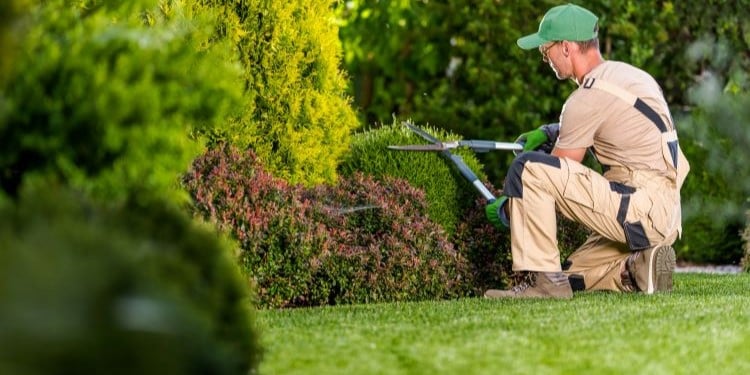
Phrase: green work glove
[540,139]
[495,212]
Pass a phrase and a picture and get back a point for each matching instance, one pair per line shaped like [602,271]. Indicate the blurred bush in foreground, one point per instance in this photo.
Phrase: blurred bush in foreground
[102,102]
[85,289]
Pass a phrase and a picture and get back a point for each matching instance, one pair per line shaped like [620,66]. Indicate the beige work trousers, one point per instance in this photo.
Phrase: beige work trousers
[585,196]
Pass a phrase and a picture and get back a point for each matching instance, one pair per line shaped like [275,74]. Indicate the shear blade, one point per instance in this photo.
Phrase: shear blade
[421,132]
[419,147]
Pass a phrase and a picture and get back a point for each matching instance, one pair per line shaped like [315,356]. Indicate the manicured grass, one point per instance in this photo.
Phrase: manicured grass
[703,327]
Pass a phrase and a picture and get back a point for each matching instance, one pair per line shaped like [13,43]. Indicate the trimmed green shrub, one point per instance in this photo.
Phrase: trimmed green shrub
[746,258]
[140,291]
[296,115]
[359,241]
[105,103]
[447,192]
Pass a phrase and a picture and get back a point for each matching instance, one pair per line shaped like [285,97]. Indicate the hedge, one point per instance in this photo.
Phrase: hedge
[447,192]
[358,241]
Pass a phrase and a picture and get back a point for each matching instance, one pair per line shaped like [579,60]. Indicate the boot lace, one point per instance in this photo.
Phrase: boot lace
[523,281]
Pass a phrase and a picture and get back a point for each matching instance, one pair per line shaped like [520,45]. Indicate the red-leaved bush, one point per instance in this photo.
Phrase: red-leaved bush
[486,249]
[358,241]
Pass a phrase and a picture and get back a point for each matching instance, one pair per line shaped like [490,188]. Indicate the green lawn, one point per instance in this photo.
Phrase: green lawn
[703,327]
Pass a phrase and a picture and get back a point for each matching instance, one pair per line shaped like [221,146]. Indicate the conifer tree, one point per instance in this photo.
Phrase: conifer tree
[295,115]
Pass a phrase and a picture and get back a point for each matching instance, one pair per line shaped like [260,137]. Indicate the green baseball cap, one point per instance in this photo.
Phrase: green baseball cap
[563,22]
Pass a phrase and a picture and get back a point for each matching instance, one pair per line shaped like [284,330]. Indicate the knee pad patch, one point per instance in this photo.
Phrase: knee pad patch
[577,283]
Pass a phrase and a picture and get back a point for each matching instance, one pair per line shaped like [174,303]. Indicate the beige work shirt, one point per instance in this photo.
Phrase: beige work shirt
[620,136]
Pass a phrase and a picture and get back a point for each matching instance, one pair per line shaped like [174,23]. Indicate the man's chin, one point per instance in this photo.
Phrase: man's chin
[557,73]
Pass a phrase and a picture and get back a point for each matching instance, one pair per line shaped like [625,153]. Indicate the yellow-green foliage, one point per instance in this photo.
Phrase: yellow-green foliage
[296,115]
[100,101]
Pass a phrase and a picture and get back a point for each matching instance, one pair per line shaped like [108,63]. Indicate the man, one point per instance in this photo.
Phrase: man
[618,113]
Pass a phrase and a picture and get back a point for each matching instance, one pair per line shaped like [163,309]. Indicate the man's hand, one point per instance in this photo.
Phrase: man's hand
[495,212]
[540,139]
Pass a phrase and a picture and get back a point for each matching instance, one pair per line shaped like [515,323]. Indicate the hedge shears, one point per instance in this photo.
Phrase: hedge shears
[445,147]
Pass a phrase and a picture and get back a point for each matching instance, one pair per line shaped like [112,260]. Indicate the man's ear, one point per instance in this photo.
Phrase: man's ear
[568,46]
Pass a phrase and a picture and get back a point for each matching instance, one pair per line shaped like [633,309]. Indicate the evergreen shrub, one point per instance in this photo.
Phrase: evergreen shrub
[106,103]
[296,114]
[143,290]
[361,240]
[447,192]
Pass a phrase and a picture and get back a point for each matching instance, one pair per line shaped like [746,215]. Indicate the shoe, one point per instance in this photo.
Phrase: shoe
[537,285]
[649,271]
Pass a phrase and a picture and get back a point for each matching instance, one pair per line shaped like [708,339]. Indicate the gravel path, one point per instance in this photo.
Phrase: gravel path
[719,269]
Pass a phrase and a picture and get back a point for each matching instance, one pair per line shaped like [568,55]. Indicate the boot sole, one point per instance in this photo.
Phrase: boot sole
[663,261]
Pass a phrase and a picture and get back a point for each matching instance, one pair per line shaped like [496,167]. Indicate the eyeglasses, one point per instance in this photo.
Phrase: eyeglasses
[545,51]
